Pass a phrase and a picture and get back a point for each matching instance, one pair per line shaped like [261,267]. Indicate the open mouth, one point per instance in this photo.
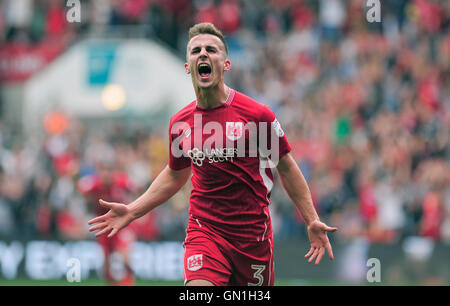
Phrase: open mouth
[204,70]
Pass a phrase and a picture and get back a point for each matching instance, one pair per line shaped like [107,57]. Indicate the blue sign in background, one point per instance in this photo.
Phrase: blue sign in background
[101,59]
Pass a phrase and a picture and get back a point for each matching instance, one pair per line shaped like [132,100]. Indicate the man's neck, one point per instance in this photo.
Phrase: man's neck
[212,97]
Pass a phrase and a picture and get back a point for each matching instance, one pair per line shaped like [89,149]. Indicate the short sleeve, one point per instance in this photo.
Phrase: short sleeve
[274,144]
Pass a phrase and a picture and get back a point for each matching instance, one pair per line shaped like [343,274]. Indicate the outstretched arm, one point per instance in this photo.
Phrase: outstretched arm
[296,187]
[166,184]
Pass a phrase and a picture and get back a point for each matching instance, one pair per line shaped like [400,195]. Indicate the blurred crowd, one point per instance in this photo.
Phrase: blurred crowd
[366,107]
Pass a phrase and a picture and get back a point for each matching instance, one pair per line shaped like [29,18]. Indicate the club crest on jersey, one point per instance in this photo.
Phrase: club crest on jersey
[195,262]
[234,130]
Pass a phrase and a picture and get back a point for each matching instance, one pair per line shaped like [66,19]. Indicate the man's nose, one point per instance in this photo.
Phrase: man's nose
[203,52]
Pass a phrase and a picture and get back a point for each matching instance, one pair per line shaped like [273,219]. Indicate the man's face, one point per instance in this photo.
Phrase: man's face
[206,60]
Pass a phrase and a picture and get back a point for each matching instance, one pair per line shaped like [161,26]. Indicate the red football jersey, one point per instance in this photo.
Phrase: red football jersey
[230,148]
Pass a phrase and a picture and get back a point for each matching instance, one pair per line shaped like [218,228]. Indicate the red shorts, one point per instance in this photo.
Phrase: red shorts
[224,262]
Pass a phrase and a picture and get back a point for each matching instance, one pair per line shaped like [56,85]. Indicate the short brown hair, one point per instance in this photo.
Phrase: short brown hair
[207,28]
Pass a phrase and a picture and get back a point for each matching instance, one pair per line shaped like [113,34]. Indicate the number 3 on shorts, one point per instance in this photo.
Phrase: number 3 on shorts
[258,275]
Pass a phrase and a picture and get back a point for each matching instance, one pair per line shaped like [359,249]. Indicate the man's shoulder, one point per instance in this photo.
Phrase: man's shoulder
[184,113]
[252,106]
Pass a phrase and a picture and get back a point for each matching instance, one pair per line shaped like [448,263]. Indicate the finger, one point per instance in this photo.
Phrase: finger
[329,250]
[97,219]
[103,231]
[109,205]
[105,203]
[98,226]
[319,257]
[310,252]
[330,229]
[316,252]
[113,232]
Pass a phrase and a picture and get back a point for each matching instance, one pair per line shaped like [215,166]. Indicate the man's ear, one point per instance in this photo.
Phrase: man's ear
[186,67]
[227,65]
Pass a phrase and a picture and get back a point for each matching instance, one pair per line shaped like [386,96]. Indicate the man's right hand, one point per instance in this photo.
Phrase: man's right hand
[118,217]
